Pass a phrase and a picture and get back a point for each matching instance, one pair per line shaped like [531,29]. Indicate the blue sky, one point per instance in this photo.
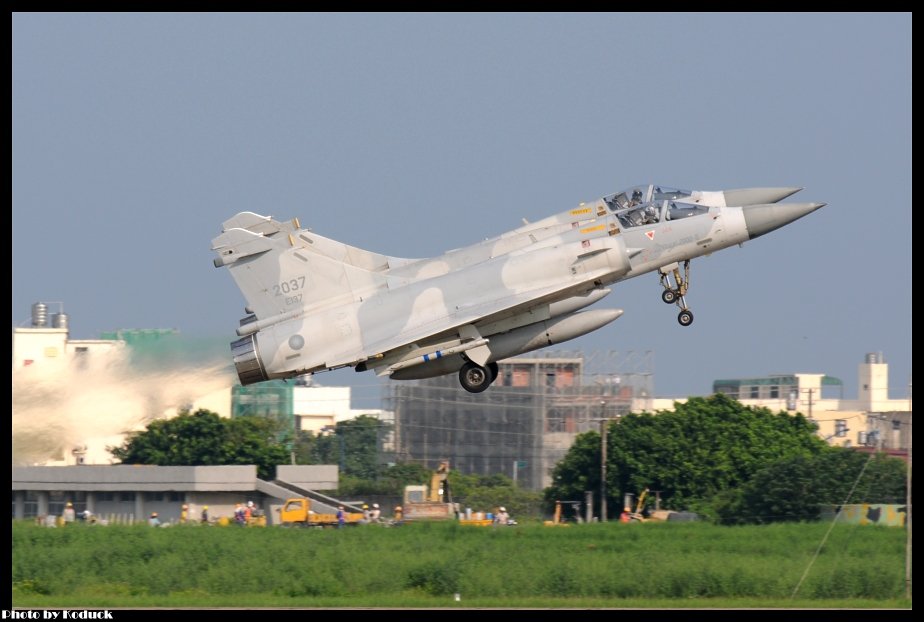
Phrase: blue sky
[136,135]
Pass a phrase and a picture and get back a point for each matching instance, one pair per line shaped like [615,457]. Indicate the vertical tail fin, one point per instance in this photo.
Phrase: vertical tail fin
[310,241]
[278,276]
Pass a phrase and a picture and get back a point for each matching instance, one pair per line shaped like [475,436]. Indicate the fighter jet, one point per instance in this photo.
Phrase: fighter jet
[316,304]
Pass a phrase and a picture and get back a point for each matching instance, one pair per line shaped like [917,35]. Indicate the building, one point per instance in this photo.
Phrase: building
[299,405]
[523,425]
[45,344]
[129,494]
[871,420]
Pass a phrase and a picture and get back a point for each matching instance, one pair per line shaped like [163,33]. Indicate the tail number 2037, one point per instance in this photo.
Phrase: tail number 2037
[288,287]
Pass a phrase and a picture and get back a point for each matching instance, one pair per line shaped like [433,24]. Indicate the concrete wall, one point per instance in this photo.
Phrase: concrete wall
[312,477]
[136,478]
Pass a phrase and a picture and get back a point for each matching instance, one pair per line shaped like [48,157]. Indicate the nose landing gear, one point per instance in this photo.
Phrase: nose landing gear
[674,294]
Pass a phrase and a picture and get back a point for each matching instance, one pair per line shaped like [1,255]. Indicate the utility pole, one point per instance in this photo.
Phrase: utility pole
[908,504]
[588,506]
[293,440]
[603,421]
[602,462]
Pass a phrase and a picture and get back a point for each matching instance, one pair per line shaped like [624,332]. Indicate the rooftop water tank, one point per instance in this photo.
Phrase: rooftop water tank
[39,314]
[59,320]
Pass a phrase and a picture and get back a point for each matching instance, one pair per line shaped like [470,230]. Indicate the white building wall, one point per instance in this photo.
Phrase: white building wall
[873,383]
[318,407]
[38,346]
[49,348]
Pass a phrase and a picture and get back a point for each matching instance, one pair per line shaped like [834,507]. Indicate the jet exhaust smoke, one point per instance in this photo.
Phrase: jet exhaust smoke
[58,409]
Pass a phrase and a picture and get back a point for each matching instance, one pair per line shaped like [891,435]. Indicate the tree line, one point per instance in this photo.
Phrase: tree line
[731,463]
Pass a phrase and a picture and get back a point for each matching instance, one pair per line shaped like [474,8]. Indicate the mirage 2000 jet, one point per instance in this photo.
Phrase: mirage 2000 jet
[316,304]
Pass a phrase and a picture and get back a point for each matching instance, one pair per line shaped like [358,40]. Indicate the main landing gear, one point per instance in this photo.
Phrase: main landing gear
[674,294]
[474,378]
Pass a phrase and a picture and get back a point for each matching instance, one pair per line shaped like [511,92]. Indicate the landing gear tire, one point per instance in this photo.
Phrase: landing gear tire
[494,369]
[669,296]
[474,378]
[685,317]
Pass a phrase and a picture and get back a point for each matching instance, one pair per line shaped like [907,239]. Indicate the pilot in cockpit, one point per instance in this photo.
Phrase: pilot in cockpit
[636,198]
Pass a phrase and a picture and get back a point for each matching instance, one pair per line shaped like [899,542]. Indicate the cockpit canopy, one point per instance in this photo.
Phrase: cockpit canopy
[654,212]
[649,193]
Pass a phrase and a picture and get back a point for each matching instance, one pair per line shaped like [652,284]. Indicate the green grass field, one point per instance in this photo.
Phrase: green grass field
[425,565]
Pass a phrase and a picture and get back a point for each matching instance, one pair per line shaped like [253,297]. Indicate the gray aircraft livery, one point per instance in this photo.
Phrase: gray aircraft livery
[314,304]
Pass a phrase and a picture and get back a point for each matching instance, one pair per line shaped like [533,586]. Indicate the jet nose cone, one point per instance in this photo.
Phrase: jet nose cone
[757,196]
[761,219]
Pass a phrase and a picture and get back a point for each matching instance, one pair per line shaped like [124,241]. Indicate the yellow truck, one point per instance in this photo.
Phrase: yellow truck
[297,512]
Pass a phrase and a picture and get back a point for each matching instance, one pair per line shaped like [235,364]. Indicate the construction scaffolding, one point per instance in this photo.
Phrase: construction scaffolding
[526,422]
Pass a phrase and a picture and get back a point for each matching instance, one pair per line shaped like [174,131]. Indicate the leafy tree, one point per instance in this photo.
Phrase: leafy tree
[358,439]
[690,454]
[353,445]
[577,472]
[404,474]
[488,492]
[304,447]
[798,487]
[390,481]
[311,448]
[204,438]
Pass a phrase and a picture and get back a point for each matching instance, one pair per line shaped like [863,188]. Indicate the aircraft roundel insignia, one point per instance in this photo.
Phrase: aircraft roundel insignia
[649,235]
